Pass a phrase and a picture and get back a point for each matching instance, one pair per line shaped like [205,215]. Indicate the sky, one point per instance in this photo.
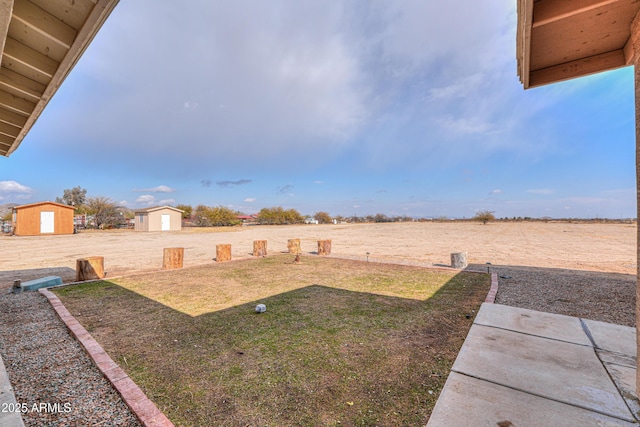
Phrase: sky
[352,107]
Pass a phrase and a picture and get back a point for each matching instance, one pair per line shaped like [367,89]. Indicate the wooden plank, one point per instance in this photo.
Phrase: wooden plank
[628,52]
[72,12]
[30,57]
[548,11]
[523,40]
[16,104]
[12,118]
[44,23]
[6,7]
[6,140]
[35,40]
[582,67]
[19,84]
[6,145]
[9,130]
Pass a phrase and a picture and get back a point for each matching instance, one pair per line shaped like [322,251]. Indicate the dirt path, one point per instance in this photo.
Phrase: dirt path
[592,247]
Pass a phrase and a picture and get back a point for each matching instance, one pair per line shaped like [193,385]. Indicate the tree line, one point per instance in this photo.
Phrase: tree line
[106,213]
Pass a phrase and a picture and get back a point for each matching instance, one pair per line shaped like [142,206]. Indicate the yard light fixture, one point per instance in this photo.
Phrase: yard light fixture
[488,267]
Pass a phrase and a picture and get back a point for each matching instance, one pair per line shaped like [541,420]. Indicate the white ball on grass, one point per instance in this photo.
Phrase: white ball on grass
[261,308]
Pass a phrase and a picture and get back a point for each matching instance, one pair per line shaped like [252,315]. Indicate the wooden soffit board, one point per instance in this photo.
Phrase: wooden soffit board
[564,39]
[40,42]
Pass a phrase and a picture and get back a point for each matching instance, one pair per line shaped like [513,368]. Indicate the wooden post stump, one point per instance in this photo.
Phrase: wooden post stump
[324,247]
[90,268]
[173,258]
[294,246]
[223,253]
[459,260]
[259,248]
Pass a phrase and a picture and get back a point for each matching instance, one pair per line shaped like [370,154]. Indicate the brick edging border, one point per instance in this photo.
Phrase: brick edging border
[491,296]
[143,408]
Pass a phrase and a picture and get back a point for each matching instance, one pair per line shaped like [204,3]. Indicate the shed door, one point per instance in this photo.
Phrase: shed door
[46,222]
[166,222]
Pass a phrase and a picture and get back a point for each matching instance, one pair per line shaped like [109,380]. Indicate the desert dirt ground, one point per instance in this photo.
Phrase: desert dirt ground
[574,246]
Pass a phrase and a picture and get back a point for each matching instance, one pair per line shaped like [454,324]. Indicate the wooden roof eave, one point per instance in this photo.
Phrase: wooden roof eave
[6,9]
[535,15]
[523,39]
[85,35]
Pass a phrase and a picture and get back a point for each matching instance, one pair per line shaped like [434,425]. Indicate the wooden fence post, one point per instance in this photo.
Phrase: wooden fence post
[294,246]
[324,247]
[172,258]
[90,268]
[259,248]
[223,252]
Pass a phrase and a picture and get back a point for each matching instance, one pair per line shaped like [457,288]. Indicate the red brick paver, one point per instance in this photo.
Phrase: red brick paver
[491,296]
[143,408]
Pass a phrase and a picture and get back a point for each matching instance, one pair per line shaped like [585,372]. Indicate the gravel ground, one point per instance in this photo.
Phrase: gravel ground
[46,365]
[606,297]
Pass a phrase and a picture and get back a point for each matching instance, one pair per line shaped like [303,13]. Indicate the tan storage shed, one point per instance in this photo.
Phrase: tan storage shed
[159,218]
[42,218]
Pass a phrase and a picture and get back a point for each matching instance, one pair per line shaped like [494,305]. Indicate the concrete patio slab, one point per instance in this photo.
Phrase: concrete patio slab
[467,401]
[548,325]
[8,403]
[624,378]
[559,370]
[610,337]
[617,358]
[520,367]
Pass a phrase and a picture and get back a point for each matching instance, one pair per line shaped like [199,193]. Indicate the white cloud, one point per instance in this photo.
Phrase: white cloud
[14,187]
[166,202]
[158,189]
[250,199]
[146,199]
[495,191]
[284,76]
[12,190]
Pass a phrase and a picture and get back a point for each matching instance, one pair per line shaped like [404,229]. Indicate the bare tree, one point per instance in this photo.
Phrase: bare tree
[484,216]
[106,213]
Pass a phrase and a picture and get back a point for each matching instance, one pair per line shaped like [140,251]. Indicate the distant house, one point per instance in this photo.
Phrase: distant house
[158,218]
[247,219]
[80,221]
[42,218]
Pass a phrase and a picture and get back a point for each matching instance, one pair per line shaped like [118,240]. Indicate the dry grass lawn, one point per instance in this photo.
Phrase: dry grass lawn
[342,342]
